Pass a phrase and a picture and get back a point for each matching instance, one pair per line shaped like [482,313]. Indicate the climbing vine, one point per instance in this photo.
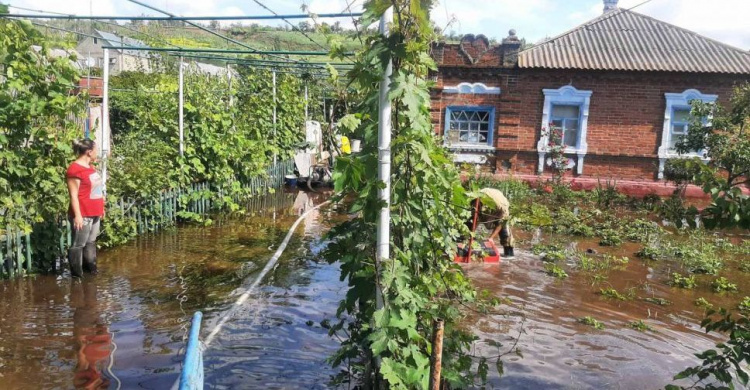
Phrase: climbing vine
[37,126]
[390,346]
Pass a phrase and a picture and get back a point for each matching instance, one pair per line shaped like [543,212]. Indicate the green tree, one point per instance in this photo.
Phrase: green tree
[723,134]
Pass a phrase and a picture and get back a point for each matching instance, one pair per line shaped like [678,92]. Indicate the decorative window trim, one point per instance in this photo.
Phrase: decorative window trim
[678,100]
[567,95]
[487,147]
[472,88]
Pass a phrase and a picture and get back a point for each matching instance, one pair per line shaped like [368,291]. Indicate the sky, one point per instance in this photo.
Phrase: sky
[727,21]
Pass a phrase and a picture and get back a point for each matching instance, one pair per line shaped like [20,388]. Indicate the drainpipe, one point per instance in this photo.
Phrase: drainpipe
[384,165]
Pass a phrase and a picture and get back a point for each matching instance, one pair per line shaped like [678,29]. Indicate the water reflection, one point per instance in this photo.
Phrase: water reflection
[94,347]
[128,324]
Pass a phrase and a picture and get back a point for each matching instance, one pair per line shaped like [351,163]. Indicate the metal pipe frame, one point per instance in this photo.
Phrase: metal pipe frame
[181,18]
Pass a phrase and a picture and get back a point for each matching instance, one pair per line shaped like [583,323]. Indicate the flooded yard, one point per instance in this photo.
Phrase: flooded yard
[126,327]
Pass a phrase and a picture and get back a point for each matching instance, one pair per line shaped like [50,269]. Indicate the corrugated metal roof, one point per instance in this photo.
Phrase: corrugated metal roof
[114,40]
[627,40]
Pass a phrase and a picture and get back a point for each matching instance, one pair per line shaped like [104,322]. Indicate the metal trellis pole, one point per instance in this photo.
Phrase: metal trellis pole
[274,116]
[105,119]
[384,164]
[307,117]
[182,128]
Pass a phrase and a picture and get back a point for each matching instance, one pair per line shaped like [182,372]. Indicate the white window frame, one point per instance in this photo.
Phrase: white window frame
[471,147]
[677,101]
[566,95]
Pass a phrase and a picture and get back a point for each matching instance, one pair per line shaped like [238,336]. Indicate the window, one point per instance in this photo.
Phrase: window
[567,118]
[680,123]
[96,41]
[676,123]
[469,126]
[566,108]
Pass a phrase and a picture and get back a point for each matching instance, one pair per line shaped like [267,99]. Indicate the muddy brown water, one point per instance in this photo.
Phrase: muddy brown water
[126,327]
[558,352]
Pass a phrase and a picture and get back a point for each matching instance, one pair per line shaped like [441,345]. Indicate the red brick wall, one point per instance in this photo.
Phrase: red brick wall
[626,115]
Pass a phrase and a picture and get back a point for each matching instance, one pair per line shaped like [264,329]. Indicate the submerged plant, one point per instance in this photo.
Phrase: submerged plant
[609,237]
[702,302]
[658,301]
[591,321]
[614,294]
[549,253]
[641,230]
[681,281]
[555,270]
[649,252]
[722,284]
[640,326]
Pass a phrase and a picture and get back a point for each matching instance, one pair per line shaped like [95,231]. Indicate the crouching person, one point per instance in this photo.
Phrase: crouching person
[494,214]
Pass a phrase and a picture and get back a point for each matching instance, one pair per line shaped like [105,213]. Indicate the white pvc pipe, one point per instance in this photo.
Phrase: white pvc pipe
[104,142]
[384,164]
[182,129]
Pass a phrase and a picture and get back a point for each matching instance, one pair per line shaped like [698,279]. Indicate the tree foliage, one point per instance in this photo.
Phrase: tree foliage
[225,144]
[37,126]
[723,135]
[419,283]
[720,366]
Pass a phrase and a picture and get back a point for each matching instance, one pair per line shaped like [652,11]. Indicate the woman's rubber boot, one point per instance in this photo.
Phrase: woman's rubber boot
[508,252]
[89,258]
[75,259]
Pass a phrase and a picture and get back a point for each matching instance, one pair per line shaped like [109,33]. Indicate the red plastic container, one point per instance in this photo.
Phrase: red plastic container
[489,253]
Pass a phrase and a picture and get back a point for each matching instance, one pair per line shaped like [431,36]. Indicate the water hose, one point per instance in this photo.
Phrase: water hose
[246,294]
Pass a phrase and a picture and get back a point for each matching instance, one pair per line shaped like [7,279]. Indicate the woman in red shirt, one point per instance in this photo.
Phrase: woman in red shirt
[86,207]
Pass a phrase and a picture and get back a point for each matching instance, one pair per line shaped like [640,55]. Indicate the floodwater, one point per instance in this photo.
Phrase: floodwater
[126,327]
[560,353]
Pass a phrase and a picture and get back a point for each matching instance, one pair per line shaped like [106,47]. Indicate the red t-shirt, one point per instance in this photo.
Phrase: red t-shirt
[90,192]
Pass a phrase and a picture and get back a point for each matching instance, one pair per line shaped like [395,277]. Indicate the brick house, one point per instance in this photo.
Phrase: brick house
[619,86]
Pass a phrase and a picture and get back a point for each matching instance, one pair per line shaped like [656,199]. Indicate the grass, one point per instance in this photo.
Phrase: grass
[591,321]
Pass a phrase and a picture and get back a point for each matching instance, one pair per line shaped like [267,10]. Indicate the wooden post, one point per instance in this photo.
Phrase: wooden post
[436,360]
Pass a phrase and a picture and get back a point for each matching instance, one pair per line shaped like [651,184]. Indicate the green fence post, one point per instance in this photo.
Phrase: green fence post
[9,250]
[19,254]
[2,261]
[28,253]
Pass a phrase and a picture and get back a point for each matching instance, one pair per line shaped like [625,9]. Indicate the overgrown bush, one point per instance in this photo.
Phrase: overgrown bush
[36,132]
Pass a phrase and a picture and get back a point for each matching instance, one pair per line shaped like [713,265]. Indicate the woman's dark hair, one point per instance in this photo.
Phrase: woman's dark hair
[83,145]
